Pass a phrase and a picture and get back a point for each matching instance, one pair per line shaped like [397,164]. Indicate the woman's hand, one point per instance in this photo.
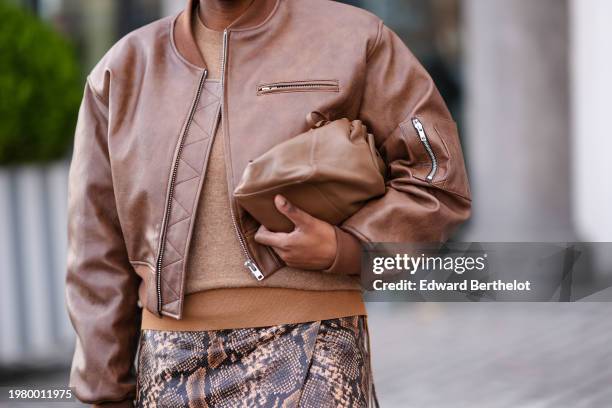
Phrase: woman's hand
[312,243]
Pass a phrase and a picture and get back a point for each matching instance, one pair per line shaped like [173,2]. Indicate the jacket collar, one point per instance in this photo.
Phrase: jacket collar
[184,39]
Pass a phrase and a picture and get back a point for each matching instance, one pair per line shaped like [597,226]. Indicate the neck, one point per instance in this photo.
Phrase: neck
[218,14]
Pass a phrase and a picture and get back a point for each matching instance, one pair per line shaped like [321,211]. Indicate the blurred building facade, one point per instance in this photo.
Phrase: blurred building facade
[517,108]
[537,89]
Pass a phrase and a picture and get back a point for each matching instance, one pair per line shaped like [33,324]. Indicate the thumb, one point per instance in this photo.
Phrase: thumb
[297,216]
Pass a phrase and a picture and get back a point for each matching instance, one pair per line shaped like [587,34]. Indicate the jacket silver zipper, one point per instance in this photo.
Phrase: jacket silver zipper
[250,264]
[223,58]
[423,136]
[279,86]
[162,245]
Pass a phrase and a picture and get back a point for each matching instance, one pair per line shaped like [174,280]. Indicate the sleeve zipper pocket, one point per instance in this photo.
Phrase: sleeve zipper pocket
[420,129]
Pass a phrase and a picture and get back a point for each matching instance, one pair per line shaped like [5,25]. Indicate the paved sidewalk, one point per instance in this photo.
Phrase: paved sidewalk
[492,355]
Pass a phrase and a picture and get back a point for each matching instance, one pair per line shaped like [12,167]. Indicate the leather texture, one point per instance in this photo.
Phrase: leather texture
[329,171]
[137,166]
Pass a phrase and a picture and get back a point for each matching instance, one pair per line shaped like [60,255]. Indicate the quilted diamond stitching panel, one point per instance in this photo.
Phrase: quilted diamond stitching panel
[189,176]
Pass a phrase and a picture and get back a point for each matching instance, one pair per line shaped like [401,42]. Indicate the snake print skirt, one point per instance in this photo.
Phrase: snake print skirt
[317,364]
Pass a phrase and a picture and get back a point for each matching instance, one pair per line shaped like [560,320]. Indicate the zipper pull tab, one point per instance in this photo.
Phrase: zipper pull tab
[419,127]
[254,269]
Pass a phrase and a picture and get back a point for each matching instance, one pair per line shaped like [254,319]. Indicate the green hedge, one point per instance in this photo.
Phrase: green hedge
[40,89]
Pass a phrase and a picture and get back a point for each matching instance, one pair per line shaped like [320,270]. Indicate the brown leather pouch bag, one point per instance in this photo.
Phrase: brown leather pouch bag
[329,171]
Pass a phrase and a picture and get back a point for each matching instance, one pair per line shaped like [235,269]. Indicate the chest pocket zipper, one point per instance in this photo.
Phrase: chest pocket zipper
[298,86]
[420,129]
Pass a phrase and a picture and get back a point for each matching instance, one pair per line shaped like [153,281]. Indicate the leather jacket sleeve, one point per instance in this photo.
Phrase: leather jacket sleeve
[101,287]
[414,209]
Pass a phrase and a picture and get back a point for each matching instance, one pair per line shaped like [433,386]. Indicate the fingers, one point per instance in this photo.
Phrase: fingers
[296,215]
[274,239]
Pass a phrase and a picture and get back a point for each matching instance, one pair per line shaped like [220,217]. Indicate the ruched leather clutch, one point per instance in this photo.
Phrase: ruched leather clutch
[329,171]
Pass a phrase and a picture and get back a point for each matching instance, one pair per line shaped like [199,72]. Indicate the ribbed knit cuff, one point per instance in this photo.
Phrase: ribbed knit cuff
[348,255]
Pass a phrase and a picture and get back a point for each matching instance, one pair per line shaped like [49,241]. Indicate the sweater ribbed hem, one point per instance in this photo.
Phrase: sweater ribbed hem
[234,308]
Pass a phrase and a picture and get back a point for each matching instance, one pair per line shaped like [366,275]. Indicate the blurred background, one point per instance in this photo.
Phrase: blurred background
[529,83]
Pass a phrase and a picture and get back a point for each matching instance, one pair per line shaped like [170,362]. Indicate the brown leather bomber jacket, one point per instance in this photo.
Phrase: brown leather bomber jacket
[137,171]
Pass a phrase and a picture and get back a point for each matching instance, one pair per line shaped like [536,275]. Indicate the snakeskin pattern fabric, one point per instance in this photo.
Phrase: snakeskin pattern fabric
[317,364]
